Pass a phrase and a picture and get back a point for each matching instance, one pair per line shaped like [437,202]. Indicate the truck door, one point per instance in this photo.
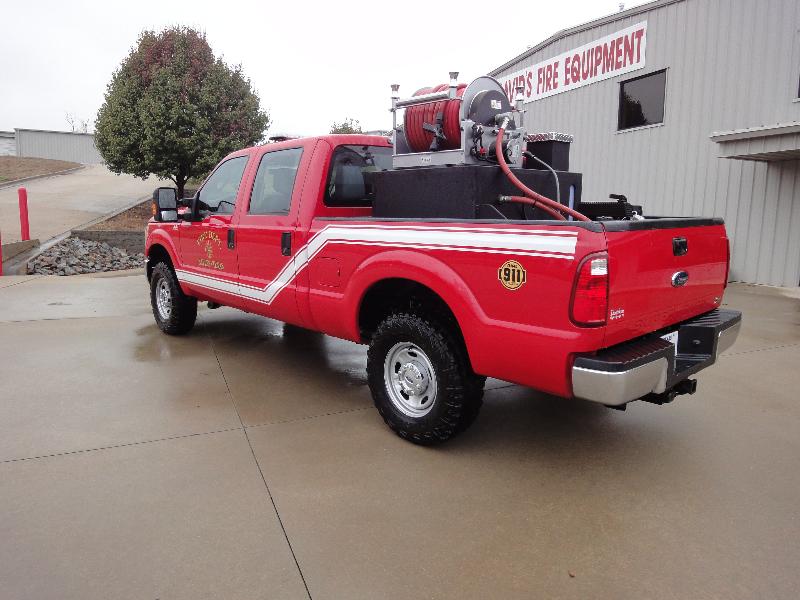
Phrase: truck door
[208,250]
[266,235]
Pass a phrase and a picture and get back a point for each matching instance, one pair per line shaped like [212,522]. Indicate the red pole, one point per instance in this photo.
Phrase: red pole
[24,225]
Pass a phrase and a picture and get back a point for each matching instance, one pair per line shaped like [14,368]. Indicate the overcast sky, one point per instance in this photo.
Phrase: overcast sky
[312,63]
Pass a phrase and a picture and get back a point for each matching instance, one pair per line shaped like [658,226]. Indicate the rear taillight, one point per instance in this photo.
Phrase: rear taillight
[589,305]
[727,260]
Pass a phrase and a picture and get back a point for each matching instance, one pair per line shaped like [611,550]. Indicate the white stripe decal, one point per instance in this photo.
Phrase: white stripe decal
[542,243]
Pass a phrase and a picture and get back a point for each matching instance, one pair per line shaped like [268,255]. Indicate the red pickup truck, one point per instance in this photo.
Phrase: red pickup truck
[608,311]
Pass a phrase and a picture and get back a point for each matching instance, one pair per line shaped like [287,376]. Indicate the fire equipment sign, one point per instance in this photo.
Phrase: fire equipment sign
[615,54]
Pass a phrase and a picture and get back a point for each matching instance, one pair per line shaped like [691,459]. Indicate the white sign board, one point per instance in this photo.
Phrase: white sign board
[615,54]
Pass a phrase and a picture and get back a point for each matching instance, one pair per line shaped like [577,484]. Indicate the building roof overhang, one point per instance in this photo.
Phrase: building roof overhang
[767,143]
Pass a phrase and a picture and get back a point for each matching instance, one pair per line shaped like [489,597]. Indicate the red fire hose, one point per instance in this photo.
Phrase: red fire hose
[536,204]
[416,117]
[533,198]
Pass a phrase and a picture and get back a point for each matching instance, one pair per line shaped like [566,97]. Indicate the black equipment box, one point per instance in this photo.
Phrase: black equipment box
[466,192]
[618,211]
[552,151]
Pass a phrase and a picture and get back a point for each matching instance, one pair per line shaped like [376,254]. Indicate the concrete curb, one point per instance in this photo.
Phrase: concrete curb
[14,249]
[18,265]
[15,182]
[130,241]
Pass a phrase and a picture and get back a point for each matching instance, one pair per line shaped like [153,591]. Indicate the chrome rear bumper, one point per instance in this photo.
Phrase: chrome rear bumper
[651,365]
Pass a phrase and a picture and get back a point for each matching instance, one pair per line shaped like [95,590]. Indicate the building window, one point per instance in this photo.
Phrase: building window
[641,101]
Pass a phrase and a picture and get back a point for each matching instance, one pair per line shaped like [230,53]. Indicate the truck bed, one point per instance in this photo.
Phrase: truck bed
[642,298]
[534,319]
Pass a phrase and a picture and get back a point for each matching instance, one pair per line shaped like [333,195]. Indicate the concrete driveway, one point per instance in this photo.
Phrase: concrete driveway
[246,461]
[62,202]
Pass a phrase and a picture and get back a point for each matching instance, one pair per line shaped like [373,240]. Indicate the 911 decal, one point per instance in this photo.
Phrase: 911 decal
[512,275]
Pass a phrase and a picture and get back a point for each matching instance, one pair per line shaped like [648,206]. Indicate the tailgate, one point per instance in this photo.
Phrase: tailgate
[662,271]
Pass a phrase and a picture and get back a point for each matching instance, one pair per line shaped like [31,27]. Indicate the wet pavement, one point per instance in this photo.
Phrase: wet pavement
[246,461]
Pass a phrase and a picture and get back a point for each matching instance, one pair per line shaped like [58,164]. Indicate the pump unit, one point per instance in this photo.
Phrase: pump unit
[456,124]
[445,161]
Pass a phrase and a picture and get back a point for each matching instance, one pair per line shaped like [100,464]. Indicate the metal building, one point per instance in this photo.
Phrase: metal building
[59,145]
[8,143]
[689,108]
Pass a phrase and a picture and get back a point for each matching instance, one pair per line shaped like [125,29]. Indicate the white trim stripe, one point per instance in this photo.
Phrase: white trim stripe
[541,243]
[426,228]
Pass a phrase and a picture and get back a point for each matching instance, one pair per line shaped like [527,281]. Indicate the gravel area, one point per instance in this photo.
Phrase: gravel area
[74,256]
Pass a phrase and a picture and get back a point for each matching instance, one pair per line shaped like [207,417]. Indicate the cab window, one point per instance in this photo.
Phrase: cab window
[272,190]
[349,182]
[218,194]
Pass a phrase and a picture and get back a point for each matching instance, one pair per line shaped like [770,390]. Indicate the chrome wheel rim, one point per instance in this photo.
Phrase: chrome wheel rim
[410,379]
[163,299]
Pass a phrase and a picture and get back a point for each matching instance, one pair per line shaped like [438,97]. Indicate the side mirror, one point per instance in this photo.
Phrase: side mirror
[165,204]
[194,208]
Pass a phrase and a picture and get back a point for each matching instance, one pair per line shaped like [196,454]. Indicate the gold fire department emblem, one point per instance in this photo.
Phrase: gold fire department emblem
[512,275]
[209,241]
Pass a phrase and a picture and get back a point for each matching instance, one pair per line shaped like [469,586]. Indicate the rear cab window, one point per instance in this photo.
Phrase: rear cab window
[348,183]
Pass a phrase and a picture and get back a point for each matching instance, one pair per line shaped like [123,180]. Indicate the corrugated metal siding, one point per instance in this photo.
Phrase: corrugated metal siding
[8,144]
[731,64]
[60,145]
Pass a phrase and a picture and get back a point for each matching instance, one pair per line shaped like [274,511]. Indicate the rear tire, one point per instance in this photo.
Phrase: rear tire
[174,311]
[421,380]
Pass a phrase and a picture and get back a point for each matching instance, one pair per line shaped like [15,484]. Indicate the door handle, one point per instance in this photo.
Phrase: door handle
[286,243]
[231,239]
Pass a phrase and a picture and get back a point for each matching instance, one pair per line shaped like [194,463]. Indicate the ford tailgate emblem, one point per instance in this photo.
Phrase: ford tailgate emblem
[680,278]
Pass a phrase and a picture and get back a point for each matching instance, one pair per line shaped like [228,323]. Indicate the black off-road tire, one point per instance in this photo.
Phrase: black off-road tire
[183,310]
[459,393]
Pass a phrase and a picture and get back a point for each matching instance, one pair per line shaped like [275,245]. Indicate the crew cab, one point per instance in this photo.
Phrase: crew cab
[606,311]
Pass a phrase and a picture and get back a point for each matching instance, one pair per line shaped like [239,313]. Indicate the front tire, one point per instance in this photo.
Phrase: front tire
[174,311]
[421,380]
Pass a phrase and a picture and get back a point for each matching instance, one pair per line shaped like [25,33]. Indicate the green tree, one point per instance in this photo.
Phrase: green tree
[173,109]
[346,126]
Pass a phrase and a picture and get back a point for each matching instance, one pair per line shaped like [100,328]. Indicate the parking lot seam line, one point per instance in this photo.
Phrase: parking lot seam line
[306,418]
[112,447]
[64,318]
[258,465]
[342,412]
[33,278]
[764,349]
[499,387]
